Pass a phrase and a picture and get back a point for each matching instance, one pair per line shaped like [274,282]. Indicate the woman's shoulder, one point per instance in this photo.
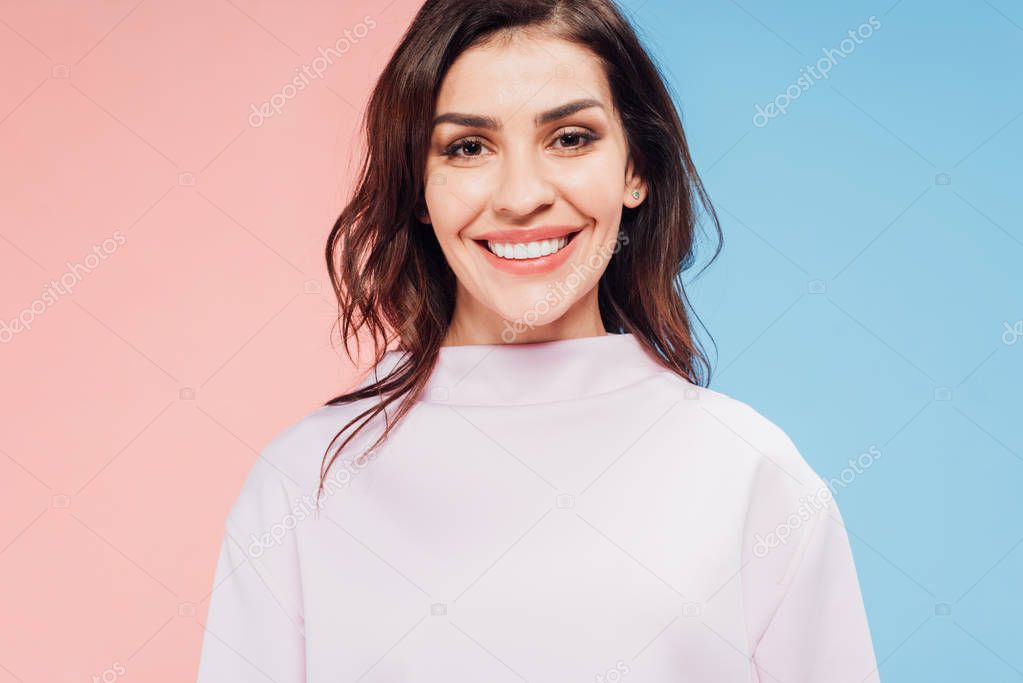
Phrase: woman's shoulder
[287,468]
[735,427]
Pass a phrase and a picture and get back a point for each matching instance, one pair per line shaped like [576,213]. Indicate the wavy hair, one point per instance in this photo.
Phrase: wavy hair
[389,274]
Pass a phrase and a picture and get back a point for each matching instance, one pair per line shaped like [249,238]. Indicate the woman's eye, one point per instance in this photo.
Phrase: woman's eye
[575,139]
[471,146]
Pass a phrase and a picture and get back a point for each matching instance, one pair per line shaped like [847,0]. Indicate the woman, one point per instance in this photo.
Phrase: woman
[536,483]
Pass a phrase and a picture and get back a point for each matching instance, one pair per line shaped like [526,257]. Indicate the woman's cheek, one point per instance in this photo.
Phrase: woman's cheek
[593,179]
[449,212]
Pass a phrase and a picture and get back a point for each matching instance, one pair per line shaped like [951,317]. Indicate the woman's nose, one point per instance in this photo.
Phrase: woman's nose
[523,184]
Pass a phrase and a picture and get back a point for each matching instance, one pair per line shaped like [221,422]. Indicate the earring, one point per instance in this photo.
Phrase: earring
[635,194]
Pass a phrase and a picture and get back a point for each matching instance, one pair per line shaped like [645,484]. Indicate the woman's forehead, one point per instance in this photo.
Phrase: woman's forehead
[531,72]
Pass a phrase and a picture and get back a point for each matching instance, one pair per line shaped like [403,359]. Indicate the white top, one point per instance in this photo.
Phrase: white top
[551,512]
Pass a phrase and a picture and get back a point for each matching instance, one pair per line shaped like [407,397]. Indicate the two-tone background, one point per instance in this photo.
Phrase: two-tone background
[168,175]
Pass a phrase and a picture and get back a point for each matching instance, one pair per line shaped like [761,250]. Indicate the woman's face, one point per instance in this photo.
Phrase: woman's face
[527,159]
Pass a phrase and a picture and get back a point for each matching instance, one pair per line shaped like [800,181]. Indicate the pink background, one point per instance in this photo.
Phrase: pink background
[195,319]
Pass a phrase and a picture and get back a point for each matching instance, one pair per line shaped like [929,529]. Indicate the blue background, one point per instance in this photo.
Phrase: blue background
[870,286]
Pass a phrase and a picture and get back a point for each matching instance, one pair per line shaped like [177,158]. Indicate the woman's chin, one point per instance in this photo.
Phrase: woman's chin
[523,315]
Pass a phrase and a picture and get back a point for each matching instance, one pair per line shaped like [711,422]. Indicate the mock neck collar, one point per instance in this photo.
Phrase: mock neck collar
[540,372]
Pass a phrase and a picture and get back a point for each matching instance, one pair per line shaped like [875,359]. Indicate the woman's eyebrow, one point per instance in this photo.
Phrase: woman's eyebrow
[490,123]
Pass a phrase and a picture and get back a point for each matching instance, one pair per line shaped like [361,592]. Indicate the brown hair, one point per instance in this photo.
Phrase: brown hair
[387,269]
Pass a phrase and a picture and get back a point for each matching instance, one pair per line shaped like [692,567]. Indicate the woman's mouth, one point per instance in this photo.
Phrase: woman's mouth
[529,258]
[521,251]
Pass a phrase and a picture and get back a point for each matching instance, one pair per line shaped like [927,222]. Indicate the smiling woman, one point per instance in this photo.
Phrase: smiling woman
[556,495]
[497,172]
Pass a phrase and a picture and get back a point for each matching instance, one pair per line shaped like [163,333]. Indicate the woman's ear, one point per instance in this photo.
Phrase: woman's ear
[635,187]
[422,214]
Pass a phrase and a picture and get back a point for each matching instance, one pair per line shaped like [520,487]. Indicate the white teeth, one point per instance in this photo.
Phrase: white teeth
[527,250]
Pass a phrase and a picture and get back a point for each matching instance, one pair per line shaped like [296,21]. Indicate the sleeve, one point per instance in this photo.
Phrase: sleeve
[818,630]
[254,623]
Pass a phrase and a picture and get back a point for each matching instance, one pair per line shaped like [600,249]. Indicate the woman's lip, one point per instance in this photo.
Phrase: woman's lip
[542,232]
[532,266]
